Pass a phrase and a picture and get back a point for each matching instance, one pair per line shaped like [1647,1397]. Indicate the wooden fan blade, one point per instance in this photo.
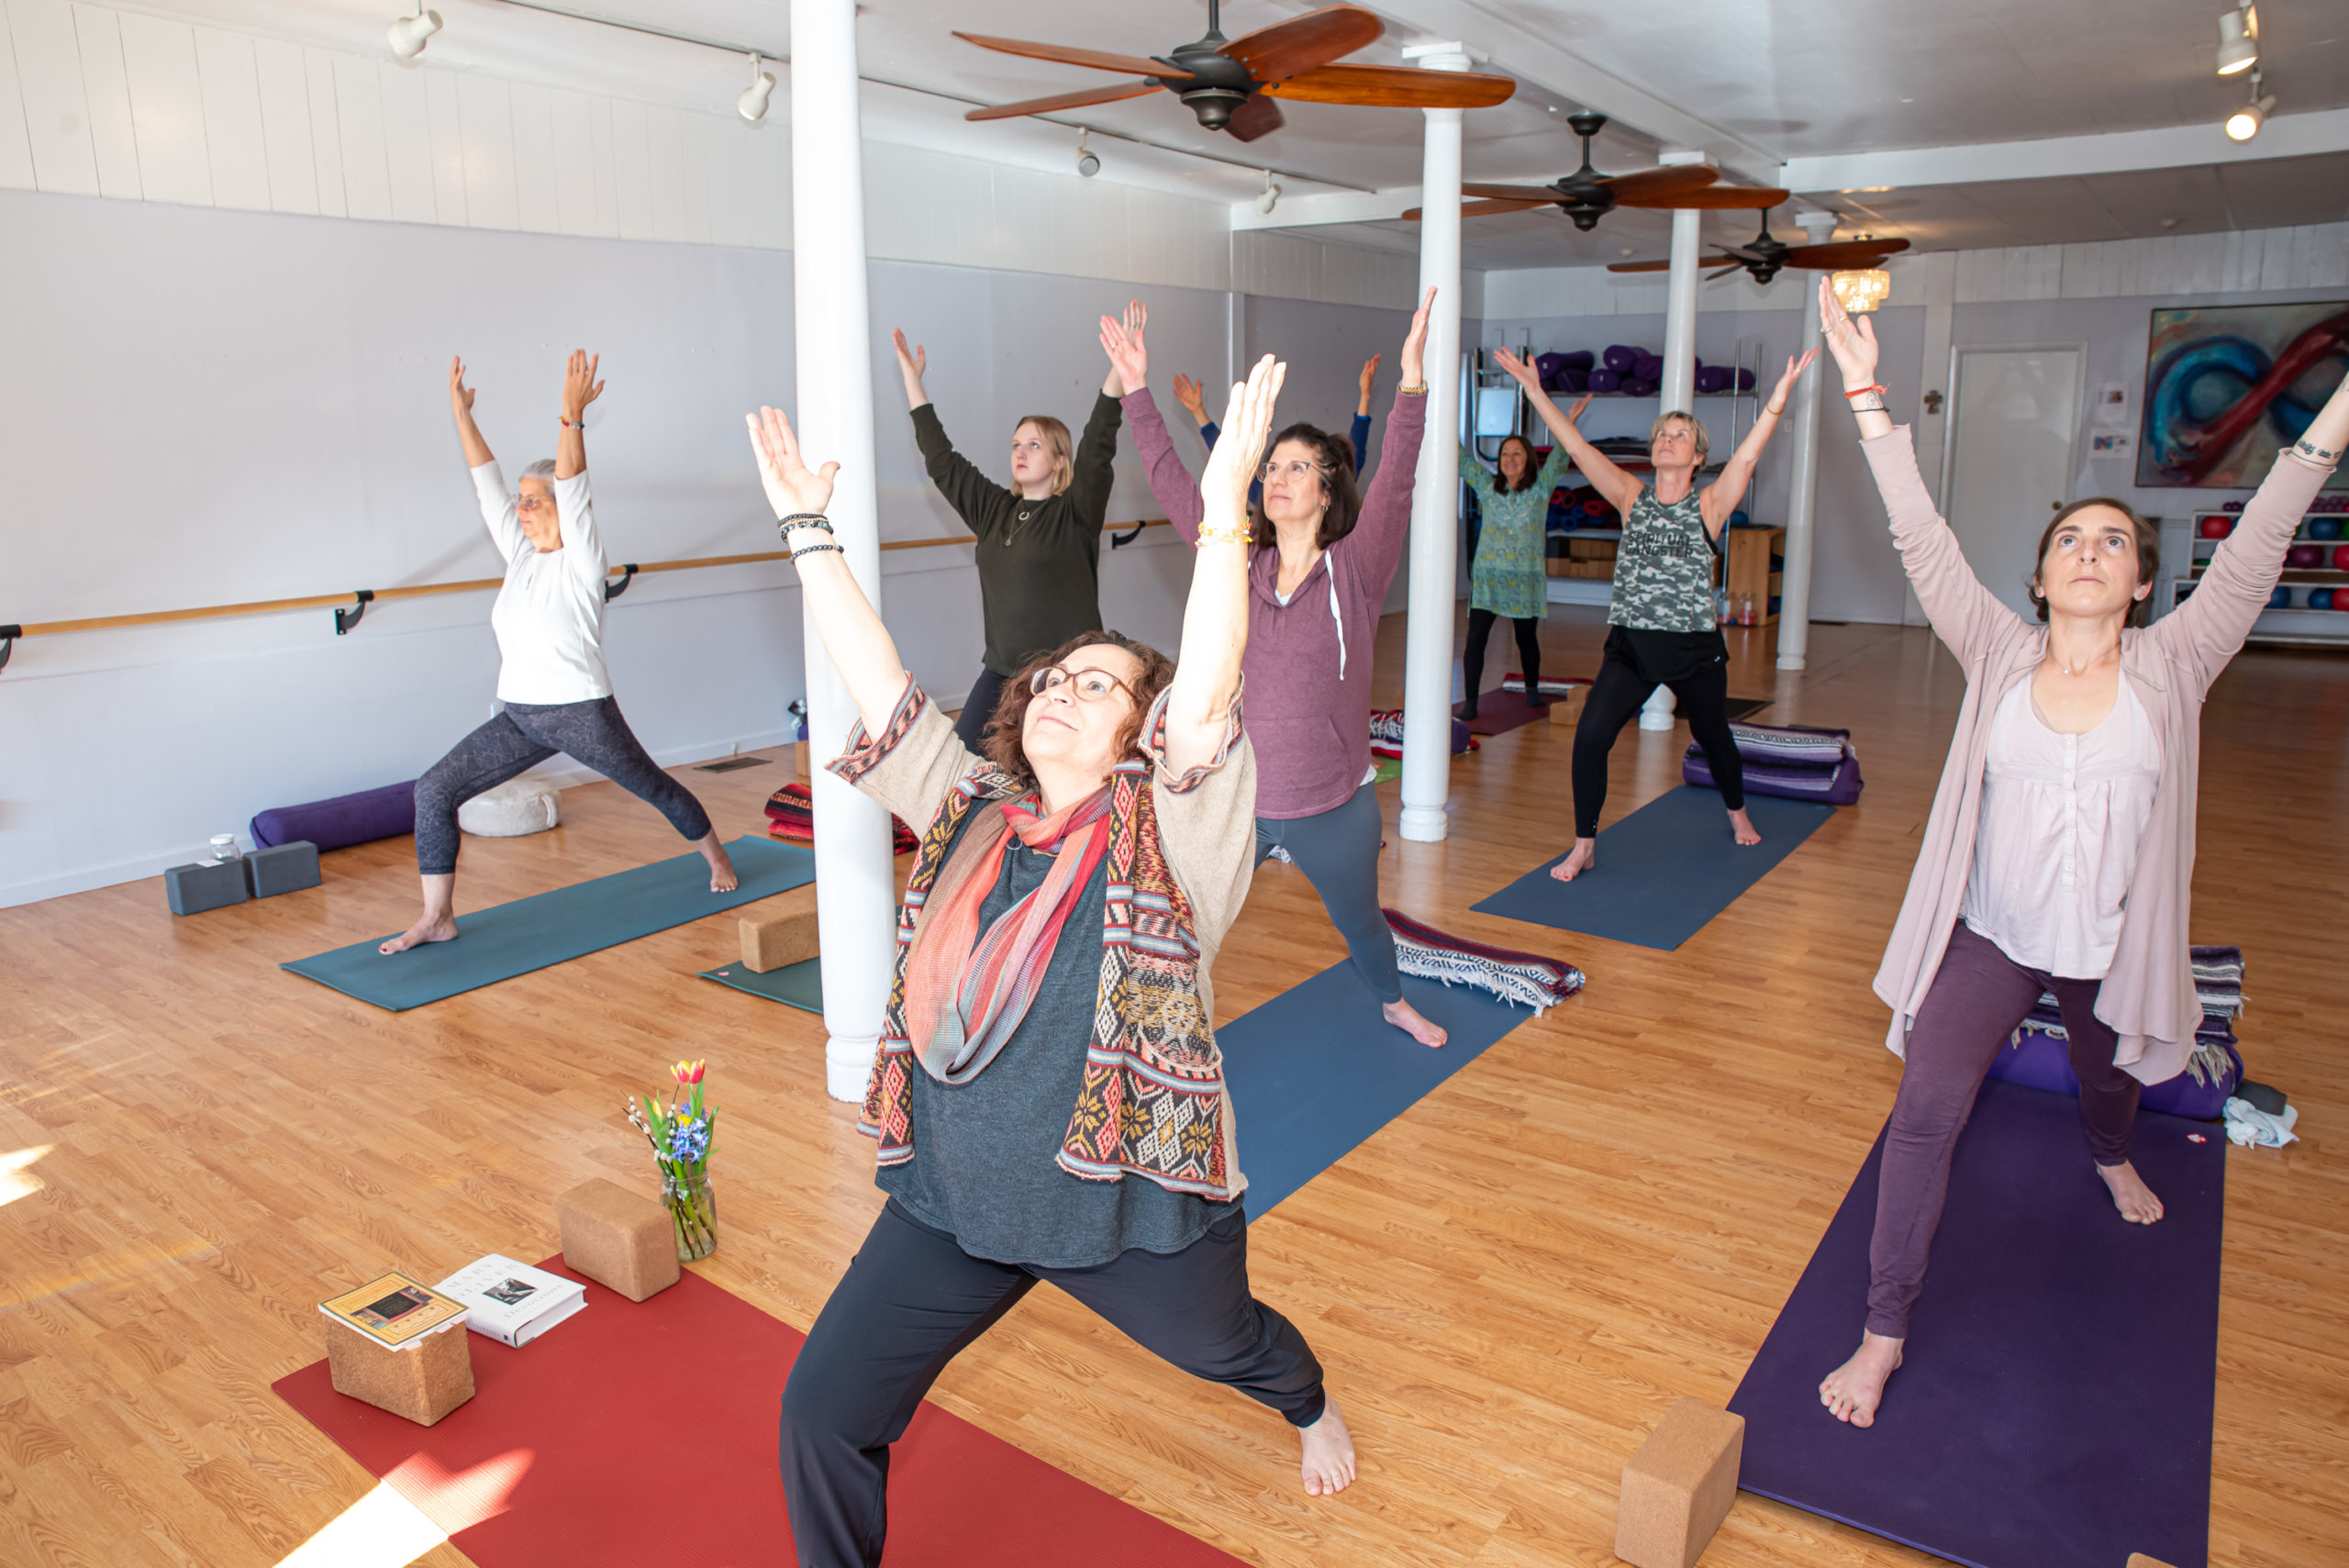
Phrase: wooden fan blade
[1844,254]
[1301,43]
[1666,266]
[1481,209]
[1394,87]
[1673,179]
[1542,194]
[1710,197]
[1064,101]
[1128,64]
[1258,116]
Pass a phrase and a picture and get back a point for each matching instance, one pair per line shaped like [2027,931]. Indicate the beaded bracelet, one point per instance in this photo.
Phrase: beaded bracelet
[571,424]
[803,520]
[1225,536]
[1862,391]
[817,550]
[1875,408]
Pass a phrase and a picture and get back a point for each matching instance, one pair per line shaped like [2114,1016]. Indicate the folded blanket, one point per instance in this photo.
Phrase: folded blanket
[1386,734]
[1527,979]
[791,817]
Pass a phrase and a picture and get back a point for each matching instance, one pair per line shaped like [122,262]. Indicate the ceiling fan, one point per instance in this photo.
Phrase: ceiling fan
[1587,195]
[1765,256]
[1229,83]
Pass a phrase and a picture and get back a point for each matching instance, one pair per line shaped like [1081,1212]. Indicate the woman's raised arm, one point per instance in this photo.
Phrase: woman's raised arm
[1619,488]
[1723,496]
[460,404]
[853,633]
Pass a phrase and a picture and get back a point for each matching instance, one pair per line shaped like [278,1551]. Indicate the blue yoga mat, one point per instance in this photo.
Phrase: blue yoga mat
[1664,871]
[2054,1410]
[799,986]
[507,939]
[1316,1070]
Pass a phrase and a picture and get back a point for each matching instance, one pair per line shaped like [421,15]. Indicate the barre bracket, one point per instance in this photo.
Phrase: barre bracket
[8,635]
[1119,542]
[348,616]
[614,590]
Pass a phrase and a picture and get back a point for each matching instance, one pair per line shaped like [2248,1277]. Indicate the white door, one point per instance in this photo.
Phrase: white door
[2015,421]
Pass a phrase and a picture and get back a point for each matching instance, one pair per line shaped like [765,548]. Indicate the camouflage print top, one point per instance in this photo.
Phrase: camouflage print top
[1664,568]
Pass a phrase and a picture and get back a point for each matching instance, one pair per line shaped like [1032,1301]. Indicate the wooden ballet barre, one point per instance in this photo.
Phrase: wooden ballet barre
[350,607]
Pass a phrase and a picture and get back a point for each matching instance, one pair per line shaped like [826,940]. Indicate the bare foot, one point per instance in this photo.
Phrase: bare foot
[1412,1022]
[1585,856]
[433,928]
[2131,1196]
[1743,826]
[1328,1462]
[1852,1391]
[721,869]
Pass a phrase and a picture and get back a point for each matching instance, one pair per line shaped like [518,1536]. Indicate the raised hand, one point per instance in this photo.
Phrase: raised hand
[1192,396]
[790,486]
[1777,398]
[1574,415]
[1247,427]
[1415,344]
[1369,375]
[1122,341]
[1524,373]
[911,364]
[1854,347]
[580,387]
[460,396]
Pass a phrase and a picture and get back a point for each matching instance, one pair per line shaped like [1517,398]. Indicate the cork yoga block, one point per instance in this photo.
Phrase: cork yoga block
[1567,709]
[780,931]
[617,1238]
[423,1383]
[1679,1486]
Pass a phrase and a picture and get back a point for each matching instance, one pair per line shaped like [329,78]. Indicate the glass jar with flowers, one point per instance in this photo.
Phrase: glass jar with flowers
[683,1134]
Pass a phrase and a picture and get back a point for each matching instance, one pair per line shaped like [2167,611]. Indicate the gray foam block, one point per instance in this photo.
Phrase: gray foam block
[286,868]
[193,889]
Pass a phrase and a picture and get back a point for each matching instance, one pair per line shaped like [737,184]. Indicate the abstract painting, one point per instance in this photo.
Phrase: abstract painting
[2227,387]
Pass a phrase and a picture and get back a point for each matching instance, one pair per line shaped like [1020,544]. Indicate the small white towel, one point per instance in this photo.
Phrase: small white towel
[2254,1128]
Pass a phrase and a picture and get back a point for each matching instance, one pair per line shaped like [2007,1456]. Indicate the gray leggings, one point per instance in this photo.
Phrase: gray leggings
[522,737]
[1337,852]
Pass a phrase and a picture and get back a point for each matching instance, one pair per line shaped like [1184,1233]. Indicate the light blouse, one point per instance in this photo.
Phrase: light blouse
[549,617]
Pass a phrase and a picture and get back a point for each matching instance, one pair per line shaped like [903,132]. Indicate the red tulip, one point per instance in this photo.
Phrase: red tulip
[688,1071]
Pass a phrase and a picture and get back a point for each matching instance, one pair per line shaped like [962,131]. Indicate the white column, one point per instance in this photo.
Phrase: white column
[1435,498]
[1678,382]
[1802,495]
[856,890]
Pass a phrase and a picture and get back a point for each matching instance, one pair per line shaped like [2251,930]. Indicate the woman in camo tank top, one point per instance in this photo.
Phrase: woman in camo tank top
[1661,627]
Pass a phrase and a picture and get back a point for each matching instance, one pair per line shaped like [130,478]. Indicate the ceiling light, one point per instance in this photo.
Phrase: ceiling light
[753,105]
[1087,163]
[2245,123]
[1860,291]
[2238,40]
[1271,195]
[408,34]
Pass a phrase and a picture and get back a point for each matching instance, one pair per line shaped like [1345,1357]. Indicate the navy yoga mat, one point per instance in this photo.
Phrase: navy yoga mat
[1664,871]
[2054,1407]
[1316,1070]
[799,986]
[507,939]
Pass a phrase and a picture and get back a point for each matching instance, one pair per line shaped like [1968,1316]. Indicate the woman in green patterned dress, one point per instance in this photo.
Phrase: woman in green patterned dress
[1507,577]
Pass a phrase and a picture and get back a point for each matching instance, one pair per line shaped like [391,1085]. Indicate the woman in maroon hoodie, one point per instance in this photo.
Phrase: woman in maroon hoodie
[1325,552]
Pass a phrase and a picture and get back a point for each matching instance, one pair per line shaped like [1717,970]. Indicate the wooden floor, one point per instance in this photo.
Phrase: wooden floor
[1509,1285]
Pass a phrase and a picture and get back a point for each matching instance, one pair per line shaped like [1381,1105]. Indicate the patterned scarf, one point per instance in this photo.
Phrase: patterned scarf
[967,990]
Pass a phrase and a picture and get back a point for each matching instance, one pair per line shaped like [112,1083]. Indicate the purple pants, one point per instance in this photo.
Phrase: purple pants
[1979,997]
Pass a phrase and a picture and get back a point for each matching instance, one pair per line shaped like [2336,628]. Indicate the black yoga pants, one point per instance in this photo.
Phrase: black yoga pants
[978,707]
[522,737]
[1616,697]
[912,1300]
[1338,851]
[1529,651]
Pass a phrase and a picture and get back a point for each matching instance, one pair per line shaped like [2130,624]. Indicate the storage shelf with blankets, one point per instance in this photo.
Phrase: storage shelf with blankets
[1793,761]
[2039,1053]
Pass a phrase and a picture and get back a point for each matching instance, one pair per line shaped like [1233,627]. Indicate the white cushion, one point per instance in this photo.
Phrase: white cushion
[513,808]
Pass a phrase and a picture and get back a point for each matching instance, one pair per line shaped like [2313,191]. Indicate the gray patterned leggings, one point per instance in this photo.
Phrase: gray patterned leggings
[519,739]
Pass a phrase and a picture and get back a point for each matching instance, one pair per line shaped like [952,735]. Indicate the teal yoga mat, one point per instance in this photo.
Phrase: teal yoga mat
[507,939]
[1665,871]
[799,986]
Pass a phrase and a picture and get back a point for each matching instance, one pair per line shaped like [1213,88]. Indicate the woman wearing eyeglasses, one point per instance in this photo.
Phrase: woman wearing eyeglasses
[1324,553]
[554,692]
[1048,1098]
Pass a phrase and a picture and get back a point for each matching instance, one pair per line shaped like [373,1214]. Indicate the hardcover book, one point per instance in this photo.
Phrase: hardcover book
[513,1302]
[394,1310]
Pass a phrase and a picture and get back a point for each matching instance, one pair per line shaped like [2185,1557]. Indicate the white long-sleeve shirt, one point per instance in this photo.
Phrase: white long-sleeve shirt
[550,615]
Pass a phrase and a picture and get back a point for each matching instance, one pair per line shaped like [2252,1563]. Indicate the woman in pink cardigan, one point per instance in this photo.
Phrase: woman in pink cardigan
[2060,852]
[1324,552]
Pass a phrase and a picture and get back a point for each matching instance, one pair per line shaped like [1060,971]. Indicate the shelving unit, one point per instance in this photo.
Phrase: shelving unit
[2299,624]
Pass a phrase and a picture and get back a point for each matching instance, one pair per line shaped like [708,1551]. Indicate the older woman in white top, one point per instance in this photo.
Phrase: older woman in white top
[2059,854]
[555,695]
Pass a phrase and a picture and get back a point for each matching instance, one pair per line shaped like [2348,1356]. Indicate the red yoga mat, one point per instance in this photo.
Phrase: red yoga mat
[645,1432]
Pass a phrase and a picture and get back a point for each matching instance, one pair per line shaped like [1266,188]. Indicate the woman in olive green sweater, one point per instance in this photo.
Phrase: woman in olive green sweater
[1039,541]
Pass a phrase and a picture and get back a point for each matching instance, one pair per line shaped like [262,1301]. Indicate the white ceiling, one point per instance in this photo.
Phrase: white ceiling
[1779,78]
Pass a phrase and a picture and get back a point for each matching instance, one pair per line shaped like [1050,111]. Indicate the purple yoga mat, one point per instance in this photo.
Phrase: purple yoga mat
[2054,1408]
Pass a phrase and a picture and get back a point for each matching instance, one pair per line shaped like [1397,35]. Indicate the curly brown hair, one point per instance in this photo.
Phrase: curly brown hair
[1001,741]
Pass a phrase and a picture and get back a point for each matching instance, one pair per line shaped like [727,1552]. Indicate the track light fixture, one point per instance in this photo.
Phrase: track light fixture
[2245,123]
[408,34]
[2238,40]
[1087,163]
[1270,196]
[753,105]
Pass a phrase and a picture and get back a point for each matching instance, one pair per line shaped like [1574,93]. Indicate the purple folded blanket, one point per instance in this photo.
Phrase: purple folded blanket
[1792,761]
[347,819]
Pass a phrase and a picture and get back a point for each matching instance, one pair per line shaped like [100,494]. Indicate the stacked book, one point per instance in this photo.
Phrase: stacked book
[512,1303]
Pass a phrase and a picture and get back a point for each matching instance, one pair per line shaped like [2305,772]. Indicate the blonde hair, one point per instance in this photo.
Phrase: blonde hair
[1056,439]
[1696,429]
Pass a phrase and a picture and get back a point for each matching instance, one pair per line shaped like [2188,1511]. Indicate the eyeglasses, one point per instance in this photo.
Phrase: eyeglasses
[1090,685]
[1297,468]
[529,502]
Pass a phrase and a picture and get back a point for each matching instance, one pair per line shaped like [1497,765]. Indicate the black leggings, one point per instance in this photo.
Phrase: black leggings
[1617,696]
[519,739]
[978,709]
[912,1300]
[1529,651]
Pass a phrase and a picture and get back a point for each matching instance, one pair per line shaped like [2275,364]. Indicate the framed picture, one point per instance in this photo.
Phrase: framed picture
[2227,387]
